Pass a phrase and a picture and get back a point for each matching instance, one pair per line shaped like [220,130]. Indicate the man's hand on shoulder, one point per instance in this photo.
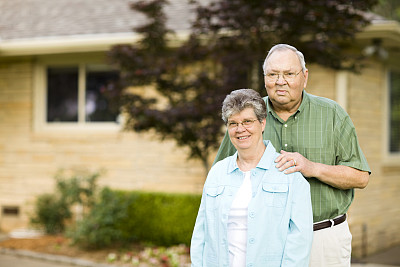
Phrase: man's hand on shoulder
[338,176]
[290,162]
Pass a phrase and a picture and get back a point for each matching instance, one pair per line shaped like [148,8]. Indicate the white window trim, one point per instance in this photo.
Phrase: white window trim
[40,123]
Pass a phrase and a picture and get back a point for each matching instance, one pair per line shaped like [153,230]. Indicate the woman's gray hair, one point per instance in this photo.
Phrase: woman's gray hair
[241,99]
[283,47]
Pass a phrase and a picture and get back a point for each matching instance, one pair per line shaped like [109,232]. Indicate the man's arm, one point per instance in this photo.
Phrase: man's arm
[339,176]
[350,169]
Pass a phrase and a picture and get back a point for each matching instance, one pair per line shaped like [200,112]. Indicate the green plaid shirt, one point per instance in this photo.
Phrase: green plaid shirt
[322,132]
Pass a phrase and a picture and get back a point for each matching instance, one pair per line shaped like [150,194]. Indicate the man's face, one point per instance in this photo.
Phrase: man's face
[284,80]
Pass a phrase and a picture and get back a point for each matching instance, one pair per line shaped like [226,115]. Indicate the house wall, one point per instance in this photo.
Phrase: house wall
[375,213]
[374,216]
[29,160]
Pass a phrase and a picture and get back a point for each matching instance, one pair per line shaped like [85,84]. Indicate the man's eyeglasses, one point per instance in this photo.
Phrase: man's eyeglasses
[245,123]
[287,76]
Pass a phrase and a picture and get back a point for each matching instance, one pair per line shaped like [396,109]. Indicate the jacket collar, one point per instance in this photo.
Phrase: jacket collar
[265,162]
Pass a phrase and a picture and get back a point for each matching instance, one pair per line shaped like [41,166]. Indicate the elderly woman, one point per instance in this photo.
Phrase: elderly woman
[251,214]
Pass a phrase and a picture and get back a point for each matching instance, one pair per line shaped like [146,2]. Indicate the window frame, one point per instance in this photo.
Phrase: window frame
[40,123]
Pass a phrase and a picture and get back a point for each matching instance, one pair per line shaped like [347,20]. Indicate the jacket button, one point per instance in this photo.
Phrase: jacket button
[251,240]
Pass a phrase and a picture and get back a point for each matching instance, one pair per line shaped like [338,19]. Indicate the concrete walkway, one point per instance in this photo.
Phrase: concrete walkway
[16,261]
[22,258]
[388,258]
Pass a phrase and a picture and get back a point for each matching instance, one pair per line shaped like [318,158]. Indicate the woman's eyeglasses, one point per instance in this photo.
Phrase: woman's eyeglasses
[245,123]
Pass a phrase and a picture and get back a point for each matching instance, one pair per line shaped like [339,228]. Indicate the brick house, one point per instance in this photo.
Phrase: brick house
[42,41]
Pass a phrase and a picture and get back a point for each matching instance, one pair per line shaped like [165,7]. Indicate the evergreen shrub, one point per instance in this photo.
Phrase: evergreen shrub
[121,217]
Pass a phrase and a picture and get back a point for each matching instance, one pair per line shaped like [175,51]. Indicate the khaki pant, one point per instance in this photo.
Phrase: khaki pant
[331,247]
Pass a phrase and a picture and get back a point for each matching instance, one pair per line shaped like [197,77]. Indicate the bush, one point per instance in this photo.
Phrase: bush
[101,227]
[53,210]
[163,219]
[51,213]
[123,217]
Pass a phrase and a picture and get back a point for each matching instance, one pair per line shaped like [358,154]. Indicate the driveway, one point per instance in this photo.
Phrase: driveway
[20,261]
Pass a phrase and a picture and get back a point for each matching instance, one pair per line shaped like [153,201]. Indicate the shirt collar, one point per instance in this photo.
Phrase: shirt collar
[265,162]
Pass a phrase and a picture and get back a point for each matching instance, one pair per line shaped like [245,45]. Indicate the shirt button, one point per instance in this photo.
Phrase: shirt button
[250,265]
[285,145]
[285,125]
[251,240]
[252,214]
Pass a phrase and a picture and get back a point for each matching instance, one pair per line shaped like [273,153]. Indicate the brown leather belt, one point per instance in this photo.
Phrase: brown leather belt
[329,223]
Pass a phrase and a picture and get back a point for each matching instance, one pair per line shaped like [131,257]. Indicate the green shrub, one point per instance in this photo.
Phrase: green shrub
[51,213]
[53,210]
[101,227]
[80,187]
[163,219]
[123,217]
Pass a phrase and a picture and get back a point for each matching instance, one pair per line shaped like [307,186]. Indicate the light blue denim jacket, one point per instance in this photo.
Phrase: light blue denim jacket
[280,223]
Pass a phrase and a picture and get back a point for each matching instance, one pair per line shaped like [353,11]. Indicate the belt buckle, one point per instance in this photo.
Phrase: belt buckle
[332,222]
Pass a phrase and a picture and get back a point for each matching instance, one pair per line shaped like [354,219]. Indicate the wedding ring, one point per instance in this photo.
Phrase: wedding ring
[294,161]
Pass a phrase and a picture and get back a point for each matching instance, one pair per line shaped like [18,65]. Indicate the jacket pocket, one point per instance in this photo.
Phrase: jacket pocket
[275,194]
[215,190]
[214,197]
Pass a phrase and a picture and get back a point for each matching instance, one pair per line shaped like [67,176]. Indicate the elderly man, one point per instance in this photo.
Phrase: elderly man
[316,137]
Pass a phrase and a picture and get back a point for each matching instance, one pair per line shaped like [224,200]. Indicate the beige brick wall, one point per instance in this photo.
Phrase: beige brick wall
[374,216]
[29,160]
[376,208]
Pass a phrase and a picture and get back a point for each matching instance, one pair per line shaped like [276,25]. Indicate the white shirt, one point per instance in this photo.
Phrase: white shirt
[237,224]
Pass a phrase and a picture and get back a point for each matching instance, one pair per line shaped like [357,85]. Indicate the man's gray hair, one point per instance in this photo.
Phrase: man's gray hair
[241,99]
[283,47]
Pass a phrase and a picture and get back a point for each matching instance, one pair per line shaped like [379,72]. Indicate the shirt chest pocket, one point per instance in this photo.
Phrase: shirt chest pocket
[214,197]
[275,195]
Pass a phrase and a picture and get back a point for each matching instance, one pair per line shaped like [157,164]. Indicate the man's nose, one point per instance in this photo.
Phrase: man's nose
[281,79]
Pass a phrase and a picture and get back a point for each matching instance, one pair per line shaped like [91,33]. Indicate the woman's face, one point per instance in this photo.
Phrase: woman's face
[249,136]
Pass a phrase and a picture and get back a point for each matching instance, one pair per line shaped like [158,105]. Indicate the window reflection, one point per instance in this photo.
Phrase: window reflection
[62,94]
[395,112]
[96,87]
[98,90]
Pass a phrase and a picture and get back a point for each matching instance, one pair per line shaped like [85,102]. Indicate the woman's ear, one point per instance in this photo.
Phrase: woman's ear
[263,123]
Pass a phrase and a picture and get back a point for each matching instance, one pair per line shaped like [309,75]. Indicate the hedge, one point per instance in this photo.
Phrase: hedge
[124,217]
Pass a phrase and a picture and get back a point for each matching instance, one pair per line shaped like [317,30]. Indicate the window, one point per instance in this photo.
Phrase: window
[62,94]
[80,94]
[394,109]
